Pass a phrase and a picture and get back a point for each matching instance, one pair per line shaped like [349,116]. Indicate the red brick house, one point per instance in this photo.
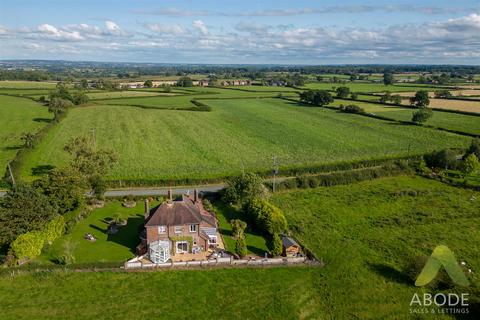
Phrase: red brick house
[179,226]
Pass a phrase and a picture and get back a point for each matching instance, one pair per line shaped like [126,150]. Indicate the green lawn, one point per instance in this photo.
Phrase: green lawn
[18,116]
[256,243]
[447,120]
[169,144]
[108,248]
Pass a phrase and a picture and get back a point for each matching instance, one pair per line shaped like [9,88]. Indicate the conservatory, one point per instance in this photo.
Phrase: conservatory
[159,251]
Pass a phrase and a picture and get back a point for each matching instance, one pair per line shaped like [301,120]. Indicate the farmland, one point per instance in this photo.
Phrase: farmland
[447,120]
[368,87]
[168,144]
[27,85]
[18,116]
[366,233]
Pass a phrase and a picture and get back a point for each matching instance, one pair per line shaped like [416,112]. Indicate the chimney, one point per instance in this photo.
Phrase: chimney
[147,209]
[169,195]
[195,195]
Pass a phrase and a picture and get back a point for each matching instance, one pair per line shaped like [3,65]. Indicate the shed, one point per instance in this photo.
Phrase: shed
[290,247]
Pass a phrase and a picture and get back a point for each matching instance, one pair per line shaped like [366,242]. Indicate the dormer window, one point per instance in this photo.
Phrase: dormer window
[193,228]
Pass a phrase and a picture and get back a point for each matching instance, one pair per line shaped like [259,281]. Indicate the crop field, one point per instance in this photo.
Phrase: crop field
[470,92]
[18,116]
[27,85]
[169,144]
[264,88]
[364,275]
[462,105]
[447,120]
[367,234]
[367,87]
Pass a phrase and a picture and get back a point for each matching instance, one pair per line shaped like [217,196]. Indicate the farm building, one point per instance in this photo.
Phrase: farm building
[180,226]
[290,247]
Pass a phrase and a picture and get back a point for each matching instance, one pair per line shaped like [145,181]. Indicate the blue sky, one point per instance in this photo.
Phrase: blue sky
[286,32]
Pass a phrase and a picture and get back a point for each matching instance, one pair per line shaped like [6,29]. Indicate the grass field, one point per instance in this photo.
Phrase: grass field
[27,84]
[447,120]
[18,116]
[25,92]
[125,94]
[366,233]
[168,144]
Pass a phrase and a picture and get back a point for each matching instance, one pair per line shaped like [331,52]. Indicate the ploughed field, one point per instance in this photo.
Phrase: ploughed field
[157,144]
[366,233]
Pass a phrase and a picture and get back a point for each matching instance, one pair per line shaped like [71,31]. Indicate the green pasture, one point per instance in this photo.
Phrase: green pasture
[157,144]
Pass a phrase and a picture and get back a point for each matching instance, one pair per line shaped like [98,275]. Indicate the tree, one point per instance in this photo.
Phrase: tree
[148,84]
[23,209]
[441,159]
[184,82]
[99,186]
[388,78]
[167,89]
[244,188]
[276,245]
[420,100]
[470,164]
[422,115]
[241,247]
[474,148]
[65,188]
[28,139]
[57,106]
[316,97]
[386,97]
[354,96]
[396,99]
[443,94]
[80,97]
[84,84]
[87,160]
[238,228]
[342,92]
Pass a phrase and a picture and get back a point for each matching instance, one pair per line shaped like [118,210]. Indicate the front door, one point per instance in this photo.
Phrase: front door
[182,246]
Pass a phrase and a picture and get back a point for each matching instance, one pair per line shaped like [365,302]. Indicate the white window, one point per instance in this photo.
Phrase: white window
[178,229]
[212,240]
[193,228]
[162,229]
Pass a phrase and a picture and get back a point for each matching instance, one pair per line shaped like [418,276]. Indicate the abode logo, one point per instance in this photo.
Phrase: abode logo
[442,303]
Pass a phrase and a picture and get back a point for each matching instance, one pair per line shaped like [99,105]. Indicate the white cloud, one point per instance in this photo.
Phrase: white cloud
[49,31]
[166,29]
[200,26]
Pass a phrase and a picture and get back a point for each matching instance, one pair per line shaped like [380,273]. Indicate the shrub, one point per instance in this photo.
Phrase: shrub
[443,159]
[352,109]
[422,115]
[28,245]
[266,216]
[54,229]
[238,228]
[276,246]
[241,247]
[470,164]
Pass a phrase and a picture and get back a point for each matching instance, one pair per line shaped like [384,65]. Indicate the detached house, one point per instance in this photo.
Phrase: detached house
[179,226]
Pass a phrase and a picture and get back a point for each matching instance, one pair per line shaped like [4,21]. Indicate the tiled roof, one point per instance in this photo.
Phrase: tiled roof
[181,211]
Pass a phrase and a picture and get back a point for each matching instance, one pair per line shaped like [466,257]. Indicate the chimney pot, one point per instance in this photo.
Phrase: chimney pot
[147,209]
[195,195]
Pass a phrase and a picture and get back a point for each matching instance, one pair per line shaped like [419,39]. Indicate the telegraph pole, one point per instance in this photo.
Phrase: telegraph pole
[275,171]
